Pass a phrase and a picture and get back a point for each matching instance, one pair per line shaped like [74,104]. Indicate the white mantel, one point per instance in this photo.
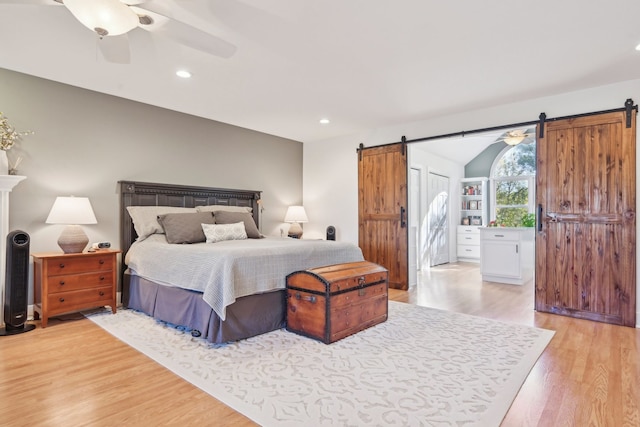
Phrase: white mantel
[7,182]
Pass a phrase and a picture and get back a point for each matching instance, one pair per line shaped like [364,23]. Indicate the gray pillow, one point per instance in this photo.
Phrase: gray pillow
[226,217]
[185,227]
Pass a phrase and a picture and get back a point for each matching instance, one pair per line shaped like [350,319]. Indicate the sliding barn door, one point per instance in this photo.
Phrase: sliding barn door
[586,240]
[382,210]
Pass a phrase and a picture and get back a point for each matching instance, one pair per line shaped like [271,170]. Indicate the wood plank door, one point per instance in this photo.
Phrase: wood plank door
[382,210]
[586,239]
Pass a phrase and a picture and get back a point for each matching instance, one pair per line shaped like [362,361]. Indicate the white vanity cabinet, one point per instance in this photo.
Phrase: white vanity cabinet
[506,254]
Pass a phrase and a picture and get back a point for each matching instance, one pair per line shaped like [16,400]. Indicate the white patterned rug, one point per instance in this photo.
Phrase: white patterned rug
[421,367]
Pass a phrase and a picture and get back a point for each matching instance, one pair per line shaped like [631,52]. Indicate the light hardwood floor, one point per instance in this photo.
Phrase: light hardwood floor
[74,373]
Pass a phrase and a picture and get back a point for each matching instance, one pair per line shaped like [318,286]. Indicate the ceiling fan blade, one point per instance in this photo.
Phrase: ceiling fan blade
[197,39]
[186,34]
[115,49]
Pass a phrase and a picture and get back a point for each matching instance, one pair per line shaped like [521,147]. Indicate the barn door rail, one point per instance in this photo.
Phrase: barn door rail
[628,108]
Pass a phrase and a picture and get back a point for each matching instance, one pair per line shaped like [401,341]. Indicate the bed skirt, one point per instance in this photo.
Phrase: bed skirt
[247,317]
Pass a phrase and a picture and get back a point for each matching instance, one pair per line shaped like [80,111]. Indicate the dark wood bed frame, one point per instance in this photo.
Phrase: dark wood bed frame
[133,193]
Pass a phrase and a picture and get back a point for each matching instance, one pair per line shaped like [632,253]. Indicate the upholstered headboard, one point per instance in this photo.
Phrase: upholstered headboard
[152,194]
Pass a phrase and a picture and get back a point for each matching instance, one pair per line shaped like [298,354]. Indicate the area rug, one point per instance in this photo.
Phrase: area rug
[421,367]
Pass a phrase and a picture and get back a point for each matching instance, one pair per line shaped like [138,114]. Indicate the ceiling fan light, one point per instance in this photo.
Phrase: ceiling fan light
[106,17]
[514,140]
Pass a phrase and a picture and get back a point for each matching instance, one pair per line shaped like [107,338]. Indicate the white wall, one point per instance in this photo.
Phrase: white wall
[330,168]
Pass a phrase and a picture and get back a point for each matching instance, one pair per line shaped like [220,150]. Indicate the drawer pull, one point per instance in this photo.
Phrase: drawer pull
[101,261]
[61,265]
[101,278]
[61,282]
[498,235]
[61,299]
[101,293]
[310,298]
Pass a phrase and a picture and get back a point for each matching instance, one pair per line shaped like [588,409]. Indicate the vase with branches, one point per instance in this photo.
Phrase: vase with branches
[9,136]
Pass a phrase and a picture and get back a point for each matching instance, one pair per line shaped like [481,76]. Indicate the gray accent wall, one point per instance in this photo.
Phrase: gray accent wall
[85,142]
[481,164]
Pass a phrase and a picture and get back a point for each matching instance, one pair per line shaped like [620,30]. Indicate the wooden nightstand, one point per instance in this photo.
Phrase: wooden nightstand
[65,283]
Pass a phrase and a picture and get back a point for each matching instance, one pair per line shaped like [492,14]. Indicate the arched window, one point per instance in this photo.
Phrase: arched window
[513,175]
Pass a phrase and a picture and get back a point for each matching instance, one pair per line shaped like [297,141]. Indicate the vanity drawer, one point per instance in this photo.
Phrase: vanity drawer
[498,234]
[468,239]
[466,251]
[468,229]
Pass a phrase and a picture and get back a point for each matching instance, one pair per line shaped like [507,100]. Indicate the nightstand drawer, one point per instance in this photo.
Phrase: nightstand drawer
[80,281]
[82,264]
[70,301]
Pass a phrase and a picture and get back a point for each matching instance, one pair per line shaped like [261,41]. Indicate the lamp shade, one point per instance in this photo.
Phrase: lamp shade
[71,210]
[296,214]
[105,17]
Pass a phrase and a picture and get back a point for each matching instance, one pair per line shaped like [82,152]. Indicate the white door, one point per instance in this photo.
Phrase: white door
[438,219]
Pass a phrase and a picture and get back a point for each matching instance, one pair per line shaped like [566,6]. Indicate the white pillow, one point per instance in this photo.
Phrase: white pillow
[219,232]
[212,208]
[145,218]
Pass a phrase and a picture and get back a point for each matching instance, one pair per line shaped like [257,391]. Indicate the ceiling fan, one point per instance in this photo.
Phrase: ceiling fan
[516,136]
[112,20]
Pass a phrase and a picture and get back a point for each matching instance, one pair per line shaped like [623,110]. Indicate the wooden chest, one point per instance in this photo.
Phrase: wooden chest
[332,302]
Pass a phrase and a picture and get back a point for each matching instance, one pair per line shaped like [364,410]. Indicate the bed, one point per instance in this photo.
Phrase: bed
[224,291]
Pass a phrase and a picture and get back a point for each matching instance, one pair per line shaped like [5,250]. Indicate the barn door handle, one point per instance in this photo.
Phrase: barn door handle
[403,214]
[539,216]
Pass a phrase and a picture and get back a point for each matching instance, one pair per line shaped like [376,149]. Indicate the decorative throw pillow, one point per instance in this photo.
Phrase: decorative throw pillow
[225,217]
[145,218]
[213,208]
[185,227]
[219,232]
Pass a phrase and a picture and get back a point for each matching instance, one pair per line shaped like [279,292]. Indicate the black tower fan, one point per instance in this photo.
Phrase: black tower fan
[16,284]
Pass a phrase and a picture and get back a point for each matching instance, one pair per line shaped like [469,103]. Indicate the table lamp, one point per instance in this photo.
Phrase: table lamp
[72,211]
[295,215]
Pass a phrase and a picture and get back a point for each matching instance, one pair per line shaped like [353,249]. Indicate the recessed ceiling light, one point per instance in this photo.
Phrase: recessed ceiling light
[183,73]
[638,47]
[324,121]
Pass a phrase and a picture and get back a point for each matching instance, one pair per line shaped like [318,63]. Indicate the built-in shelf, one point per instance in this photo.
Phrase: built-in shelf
[473,214]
